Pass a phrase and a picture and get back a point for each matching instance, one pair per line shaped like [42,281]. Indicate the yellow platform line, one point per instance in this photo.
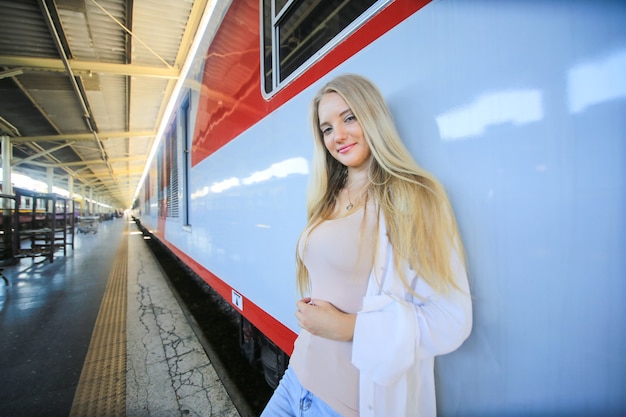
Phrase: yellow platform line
[101,390]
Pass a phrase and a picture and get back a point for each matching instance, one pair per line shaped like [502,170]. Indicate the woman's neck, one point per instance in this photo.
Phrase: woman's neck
[357,178]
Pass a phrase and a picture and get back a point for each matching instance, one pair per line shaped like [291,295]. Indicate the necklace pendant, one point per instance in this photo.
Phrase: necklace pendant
[349,206]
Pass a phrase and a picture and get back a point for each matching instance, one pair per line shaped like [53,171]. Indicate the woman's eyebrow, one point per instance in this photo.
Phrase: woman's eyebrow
[343,113]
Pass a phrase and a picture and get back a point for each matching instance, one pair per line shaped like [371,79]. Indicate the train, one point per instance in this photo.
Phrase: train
[517,107]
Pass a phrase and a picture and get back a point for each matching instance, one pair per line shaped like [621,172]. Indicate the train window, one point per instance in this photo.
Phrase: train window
[161,183]
[171,171]
[186,144]
[298,32]
[147,195]
[167,171]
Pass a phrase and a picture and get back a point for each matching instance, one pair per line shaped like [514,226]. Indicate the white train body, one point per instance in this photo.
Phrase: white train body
[519,108]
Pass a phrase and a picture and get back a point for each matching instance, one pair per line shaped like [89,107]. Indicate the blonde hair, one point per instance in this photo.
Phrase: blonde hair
[420,222]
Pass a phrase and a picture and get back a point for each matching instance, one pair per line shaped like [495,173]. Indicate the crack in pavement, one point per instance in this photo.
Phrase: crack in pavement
[168,371]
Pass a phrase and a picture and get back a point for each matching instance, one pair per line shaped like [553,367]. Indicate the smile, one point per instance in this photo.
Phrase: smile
[346,148]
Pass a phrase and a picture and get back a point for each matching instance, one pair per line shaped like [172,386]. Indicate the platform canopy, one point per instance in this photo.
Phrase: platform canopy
[84,86]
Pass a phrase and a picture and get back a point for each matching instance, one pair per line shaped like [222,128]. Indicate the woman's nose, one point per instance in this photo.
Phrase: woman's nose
[340,133]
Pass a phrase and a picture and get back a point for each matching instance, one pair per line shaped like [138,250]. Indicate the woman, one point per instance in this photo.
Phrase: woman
[380,266]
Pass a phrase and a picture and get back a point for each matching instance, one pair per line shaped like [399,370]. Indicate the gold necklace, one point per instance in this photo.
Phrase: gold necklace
[350,205]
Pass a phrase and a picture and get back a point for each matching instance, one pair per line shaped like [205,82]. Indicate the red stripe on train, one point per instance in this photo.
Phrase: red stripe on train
[280,334]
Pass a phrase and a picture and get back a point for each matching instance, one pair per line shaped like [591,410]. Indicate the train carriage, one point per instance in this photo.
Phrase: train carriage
[517,107]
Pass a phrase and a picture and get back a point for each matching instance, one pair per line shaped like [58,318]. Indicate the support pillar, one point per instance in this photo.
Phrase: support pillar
[50,179]
[83,203]
[7,154]
[70,189]
[70,186]
[10,244]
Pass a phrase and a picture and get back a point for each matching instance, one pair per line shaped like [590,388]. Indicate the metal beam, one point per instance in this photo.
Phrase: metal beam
[123,176]
[83,68]
[87,163]
[119,184]
[11,73]
[75,137]
[112,160]
[40,154]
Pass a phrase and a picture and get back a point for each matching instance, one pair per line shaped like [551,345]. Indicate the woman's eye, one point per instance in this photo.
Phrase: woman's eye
[350,118]
[326,130]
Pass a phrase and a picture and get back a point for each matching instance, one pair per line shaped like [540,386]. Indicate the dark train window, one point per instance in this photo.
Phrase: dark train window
[298,32]
[170,173]
[147,195]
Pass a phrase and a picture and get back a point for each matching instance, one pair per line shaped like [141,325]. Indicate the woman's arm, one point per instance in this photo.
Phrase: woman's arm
[394,329]
[444,321]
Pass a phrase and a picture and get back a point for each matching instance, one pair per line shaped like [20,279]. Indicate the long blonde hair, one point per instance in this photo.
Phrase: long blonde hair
[420,222]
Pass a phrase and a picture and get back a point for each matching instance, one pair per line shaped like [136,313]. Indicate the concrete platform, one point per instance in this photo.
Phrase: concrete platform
[99,332]
[168,371]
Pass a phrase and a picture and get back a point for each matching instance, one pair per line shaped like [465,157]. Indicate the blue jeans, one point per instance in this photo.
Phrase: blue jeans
[291,399]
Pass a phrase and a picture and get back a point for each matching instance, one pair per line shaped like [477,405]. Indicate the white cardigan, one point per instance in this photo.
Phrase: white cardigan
[397,337]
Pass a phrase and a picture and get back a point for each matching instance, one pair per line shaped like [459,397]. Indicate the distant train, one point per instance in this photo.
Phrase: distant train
[519,108]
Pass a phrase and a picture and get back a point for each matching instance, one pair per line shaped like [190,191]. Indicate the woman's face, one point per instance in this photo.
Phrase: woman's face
[342,132]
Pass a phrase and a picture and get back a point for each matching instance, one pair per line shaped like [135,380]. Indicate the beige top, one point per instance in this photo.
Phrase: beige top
[339,256]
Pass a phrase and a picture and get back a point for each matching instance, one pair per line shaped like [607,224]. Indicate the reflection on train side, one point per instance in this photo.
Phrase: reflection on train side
[595,82]
[518,107]
[278,170]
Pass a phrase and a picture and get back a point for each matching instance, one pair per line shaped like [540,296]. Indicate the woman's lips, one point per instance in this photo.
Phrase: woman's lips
[346,148]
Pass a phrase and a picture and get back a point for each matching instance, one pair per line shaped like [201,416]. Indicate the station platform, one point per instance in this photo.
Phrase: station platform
[100,332]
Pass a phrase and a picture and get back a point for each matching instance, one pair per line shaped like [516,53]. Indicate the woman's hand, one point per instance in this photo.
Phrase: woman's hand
[323,319]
